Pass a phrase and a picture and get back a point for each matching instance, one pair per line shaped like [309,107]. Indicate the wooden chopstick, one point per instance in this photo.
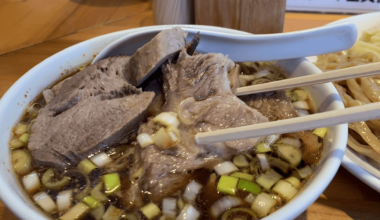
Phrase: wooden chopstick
[331,76]
[319,120]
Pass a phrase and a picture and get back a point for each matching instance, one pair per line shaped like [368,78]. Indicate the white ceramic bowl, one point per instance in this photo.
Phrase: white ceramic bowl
[34,81]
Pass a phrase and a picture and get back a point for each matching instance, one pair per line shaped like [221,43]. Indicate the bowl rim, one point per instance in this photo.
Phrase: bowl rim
[298,204]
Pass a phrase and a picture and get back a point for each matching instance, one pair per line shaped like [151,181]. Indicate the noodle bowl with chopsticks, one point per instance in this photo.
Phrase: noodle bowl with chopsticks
[364,137]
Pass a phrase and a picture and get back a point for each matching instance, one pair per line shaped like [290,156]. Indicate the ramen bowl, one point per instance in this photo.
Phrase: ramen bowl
[25,90]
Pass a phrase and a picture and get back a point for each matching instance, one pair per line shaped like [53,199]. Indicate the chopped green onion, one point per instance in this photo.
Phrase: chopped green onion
[180,203]
[24,138]
[76,212]
[45,202]
[268,179]
[21,161]
[249,186]
[249,198]
[189,212]
[226,215]
[225,168]
[285,190]
[31,182]
[86,166]
[101,159]
[321,132]
[144,140]
[292,154]
[294,181]
[302,105]
[111,183]
[99,211]
[98,194]
[20,129]
[245,176]
[64,200]
[169,207]
[227,184]
[224,204]
[151,210]
[263,148]
[112,213]
[91,201]
[301,95]
[290,141]
[240,161]
[16,143]
[305,172]
[262,204]
[191,191]
[162,139]
[167,119]
[48,183]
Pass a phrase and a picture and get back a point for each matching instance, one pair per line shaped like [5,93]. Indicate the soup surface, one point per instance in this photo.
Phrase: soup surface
[96,147]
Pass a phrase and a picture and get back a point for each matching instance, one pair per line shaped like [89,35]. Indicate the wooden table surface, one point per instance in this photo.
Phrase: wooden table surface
[345,198]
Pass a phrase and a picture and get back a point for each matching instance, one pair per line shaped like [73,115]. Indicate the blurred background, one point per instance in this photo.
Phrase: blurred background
[25,23]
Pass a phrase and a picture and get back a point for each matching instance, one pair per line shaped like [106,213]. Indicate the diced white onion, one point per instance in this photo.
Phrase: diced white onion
[144,139]
[225,168]
[191,191]
[240,160]
[167,118]
[64,200]
[263,162]
[294,181]
[302,95]
[305,172]
[76,212]
[185,118]
[101,159]
[173,136]
[112,213]
[301,105]
[290,141]
[262,73]
[223,204]
[249,198]
[45,202]
[169,207]
[189,212]
[271,139]
[268,179]
[285,190]
[48,95]
[31,182]
[98,212]
[262,204]
[301,113]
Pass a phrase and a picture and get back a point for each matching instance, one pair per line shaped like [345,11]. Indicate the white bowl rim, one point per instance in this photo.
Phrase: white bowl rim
[298,205]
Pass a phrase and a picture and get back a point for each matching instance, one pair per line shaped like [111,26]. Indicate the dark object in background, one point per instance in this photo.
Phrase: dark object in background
[254,16]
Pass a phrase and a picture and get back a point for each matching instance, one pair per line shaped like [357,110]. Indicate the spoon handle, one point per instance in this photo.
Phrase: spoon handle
[270,47]
[325,119]
[331,76]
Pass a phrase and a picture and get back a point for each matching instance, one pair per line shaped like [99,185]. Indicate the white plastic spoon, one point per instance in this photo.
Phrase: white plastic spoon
[241,48]
[246,47]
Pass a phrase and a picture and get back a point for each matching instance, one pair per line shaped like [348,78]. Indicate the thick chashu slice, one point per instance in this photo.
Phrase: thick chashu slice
[92,110]
[150,56]
[203,77]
